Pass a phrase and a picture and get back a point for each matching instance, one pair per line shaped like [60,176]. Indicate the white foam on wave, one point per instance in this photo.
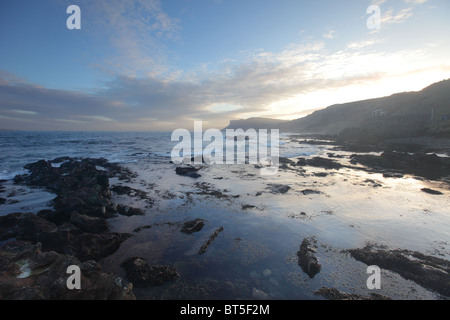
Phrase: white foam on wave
[9,175]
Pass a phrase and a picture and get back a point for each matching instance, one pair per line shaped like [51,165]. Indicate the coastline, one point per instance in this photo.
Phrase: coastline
[140,207]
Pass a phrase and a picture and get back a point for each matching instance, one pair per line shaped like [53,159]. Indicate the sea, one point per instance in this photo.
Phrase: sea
[255,256]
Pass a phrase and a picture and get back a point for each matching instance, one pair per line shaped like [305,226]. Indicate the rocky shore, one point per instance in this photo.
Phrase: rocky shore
[39,247]
[36,249]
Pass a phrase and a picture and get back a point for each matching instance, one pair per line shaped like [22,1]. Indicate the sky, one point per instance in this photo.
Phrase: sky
[159,65]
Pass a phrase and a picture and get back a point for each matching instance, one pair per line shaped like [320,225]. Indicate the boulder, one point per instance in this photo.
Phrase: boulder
[89,224]
[188,172]
[30,274]
[143,275]
[193,226]
[307,260]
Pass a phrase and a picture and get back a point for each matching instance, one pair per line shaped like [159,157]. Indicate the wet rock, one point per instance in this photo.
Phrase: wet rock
[373,183]
[89,224]
[430,272]
[80,185]
[121,190]
[421,164]
[32,228]
[207,189]
[129,211]
[30,274]
[85,246]
[333,155]
[8,224]
[393,175]
[307,192]
[65,239]
[188,172]
[319,162]
[193,226]
[139,229]
[320,174]
[334,294]
[431,191]
[278,188]
[143,275]
[307,260]
[210,240]
[125,190]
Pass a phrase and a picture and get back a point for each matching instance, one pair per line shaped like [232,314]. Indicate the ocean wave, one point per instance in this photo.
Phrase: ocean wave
[9,175]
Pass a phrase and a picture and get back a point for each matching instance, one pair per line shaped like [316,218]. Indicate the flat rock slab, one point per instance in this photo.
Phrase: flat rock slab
[430,272]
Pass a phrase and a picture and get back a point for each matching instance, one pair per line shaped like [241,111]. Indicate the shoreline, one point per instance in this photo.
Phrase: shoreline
[97,206]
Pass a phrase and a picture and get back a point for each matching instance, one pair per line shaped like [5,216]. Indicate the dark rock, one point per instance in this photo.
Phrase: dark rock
[61,159]
[57,217]
[212,237]
[125,190]
[32,228]
[122,190]
[188,172]
[320,174]
[30,274]
[334,294]
[65,239]
[319,162]
[89,224]
[139,229]
[142,275]
[332,155]
[430,272]
[309,191]
[2,200]
[85,246]
[431,191]
[373,183]
[307,260]
[278,188]
[420,164]
[393,175]
[8,225]
[129,211]
[193,226]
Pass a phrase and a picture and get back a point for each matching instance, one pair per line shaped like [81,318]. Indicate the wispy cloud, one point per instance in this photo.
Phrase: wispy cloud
[416,1]
[234,90]
[136,30]
[390,16]
[331,34]
[26,112]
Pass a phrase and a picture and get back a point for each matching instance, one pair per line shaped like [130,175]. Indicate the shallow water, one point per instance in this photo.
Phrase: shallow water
[262,230]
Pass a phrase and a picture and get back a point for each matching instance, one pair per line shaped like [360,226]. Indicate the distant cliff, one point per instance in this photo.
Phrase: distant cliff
[257,123]
[426,112]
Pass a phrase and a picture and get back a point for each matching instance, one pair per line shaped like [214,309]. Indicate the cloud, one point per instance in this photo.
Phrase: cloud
[331,34]
[416,1]
[136,30]
[390,17]
[233,90]
[25,112]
